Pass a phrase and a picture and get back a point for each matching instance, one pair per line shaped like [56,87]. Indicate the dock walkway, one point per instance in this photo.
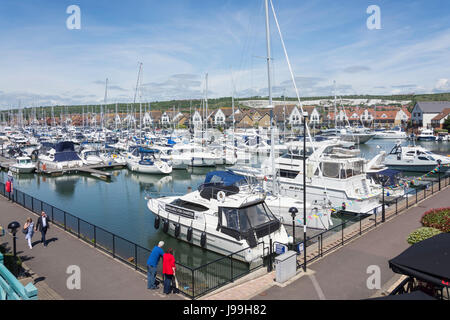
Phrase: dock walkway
[342,274]
[102,277]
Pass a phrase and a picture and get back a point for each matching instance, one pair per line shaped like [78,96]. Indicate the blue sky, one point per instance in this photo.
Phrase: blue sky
[179,41]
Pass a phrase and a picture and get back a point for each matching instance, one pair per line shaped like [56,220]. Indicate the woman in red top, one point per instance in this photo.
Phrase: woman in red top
[168,270]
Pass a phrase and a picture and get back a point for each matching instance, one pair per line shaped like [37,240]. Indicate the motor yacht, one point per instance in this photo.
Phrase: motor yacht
[395,133]
[23,165]
[222,217]
[414,158]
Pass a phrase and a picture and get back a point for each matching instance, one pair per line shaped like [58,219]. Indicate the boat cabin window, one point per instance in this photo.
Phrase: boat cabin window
[290,174]
[242,219]
[189,205]
[423,158]
[330,169]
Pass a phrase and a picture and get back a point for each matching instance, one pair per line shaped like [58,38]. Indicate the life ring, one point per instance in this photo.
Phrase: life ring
[221,196]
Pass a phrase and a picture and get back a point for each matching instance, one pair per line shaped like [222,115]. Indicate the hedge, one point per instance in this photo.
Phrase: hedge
[437,218]
[422,234]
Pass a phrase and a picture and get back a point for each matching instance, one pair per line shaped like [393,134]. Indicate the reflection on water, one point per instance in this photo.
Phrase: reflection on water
[120,206]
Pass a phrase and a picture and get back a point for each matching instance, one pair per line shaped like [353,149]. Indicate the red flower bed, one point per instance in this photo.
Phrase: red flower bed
[437,218]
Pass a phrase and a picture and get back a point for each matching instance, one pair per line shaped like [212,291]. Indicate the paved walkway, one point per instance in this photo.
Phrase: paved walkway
[102,277]
[342,274]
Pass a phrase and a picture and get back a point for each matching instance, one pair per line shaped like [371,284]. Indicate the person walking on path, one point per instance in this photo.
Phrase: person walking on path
[29,231]
[43,226]
[152,265]
[168,270]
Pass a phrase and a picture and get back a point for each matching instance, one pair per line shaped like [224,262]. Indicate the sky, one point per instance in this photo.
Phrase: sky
[178,42]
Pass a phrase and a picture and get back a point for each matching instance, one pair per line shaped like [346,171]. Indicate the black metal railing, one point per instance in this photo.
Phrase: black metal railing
[193,281]
[352,227]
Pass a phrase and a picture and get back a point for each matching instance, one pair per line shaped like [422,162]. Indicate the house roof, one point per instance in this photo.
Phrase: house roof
[442,115]
[433,107]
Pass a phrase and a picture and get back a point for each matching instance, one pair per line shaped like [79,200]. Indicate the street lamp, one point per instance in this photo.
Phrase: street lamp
[305,117]
[12,227]
[293,211]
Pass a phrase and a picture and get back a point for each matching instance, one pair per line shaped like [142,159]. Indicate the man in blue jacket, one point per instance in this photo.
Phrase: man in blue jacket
[152,265]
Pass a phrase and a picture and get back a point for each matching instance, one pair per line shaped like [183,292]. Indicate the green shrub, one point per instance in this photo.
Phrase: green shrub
[437,218]
[422,234]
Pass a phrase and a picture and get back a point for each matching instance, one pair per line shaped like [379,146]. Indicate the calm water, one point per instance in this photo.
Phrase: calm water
[120,207]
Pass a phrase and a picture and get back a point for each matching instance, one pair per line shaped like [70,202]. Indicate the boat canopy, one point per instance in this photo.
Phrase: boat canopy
[64,146]
[391,174]
[226,178]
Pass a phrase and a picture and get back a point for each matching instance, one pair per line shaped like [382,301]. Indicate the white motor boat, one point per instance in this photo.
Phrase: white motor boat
[59,156]
[415,159]
[90,157]
[23,165]
[333,174]
[426,135]
[144,160]
[222,218]
[395,133]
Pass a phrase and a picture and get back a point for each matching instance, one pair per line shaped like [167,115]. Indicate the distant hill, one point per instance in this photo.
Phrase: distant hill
[186,105]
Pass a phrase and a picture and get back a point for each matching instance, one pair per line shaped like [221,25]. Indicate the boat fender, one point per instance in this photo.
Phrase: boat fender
[189,234]
[177,230]
[165,225]
[221,196]
[203,239]
[157,221]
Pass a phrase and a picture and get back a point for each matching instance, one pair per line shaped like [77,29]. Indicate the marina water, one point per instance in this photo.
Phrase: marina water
[120,206]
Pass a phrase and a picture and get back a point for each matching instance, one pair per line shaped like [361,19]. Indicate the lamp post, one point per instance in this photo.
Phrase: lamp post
[293,211]
[305,116]
[12,227]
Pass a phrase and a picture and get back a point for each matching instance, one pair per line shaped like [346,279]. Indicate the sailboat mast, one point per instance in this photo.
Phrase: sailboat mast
[272,140]
[335,110]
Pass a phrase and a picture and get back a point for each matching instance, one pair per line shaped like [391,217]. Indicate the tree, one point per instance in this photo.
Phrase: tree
[447,124]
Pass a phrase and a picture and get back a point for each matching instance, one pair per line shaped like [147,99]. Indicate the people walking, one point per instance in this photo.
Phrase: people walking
[43,225]
[168,270]
[29,231]
[152,265]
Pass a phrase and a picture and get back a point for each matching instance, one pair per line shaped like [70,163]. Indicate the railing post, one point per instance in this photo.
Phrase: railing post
[360,225]
[95,236]
[396,205]
[416,195]
[78,231]
[65,229]
[407,200]
[52,214]
[32,204]
[135,256]
[342,234]
[231,269]
[114,247]
[193,283]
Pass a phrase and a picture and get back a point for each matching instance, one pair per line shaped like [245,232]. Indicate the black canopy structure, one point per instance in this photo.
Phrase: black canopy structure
[427,260]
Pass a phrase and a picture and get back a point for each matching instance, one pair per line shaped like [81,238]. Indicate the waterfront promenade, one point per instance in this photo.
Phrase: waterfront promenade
[342,274]
[102,277]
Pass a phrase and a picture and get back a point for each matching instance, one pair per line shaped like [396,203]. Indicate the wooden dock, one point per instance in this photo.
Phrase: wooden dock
[93,170]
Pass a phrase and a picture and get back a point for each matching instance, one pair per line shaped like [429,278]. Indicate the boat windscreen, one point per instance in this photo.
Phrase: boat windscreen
[242,219]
